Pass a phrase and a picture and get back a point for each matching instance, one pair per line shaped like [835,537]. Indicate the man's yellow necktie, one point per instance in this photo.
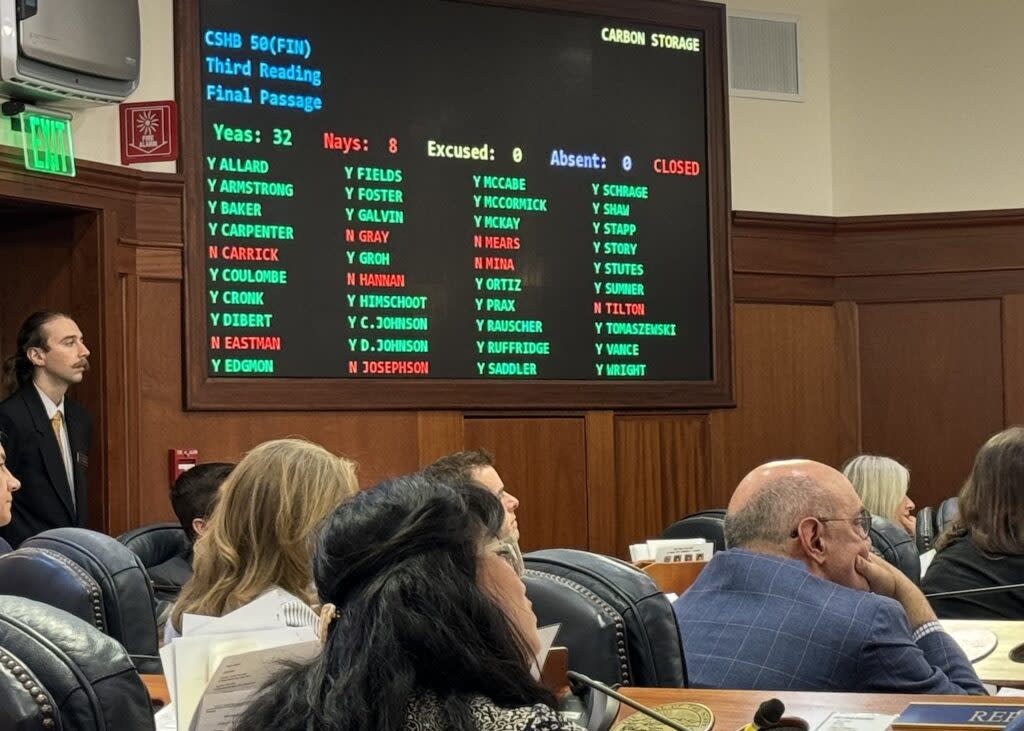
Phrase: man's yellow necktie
[57,422]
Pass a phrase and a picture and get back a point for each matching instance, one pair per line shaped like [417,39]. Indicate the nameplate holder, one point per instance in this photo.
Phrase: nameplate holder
[957,715]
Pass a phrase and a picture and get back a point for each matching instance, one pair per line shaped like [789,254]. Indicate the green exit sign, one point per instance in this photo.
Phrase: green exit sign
[47,144]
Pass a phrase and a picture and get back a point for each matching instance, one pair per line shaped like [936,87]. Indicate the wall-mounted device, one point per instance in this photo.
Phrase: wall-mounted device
[75,53]
[181,461]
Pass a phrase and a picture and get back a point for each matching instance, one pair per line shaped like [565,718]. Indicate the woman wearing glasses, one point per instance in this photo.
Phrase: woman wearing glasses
[425,626]
[984,546]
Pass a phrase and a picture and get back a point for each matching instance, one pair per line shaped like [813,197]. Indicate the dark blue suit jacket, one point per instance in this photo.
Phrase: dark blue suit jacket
[760,622]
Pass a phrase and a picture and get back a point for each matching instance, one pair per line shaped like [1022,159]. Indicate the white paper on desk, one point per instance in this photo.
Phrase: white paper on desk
[1008,691]
[165,720]
[857,722]
[547,639]
[190,623]
[264,612]
[666,552]
[238,677]
[167,663]
[192,660]
[640,552]
[926,561]
[976,643]
[656,543]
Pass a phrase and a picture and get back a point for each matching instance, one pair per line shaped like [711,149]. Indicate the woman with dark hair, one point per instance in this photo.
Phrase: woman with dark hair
[425,626]
[984,546]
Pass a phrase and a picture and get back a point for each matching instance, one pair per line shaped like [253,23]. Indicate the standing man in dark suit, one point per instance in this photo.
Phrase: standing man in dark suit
[48,447]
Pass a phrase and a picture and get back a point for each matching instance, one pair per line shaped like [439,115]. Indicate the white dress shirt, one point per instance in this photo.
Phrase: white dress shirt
[65,443]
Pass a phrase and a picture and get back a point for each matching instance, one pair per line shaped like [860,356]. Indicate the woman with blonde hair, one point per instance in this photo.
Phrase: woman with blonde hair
[882,485]
[263,529]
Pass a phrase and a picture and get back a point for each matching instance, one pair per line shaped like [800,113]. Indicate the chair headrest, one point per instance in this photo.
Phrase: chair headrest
[51,578]
[591,628]
[124,584]
[90,678]
[644,626]
[896,546]
[925,529]
[707,524]
[946,513]
[25,703]
[156,543]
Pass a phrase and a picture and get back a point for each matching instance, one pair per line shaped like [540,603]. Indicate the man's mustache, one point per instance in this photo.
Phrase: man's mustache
[83,363]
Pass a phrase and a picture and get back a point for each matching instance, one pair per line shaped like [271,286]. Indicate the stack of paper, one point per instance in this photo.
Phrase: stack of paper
[219,662]
[672,550]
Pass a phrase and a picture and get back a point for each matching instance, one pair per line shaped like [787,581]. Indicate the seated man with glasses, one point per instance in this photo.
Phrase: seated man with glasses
[799,603]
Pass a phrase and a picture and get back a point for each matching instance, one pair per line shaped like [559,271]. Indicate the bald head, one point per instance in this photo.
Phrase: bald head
[802,510]
[773,498]
[828,480]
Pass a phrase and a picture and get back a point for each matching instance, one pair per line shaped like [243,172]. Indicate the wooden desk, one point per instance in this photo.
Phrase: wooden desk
[673,578]
[996,668]
[553,677]
[157,687]
[734,708]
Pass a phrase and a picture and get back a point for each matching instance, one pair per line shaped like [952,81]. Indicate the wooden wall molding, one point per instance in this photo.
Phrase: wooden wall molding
[1012,313]
[904,257]
[156,263]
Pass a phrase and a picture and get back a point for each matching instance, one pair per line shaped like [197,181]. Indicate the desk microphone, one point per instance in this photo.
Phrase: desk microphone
[768,714]
[578,679]
[978,590]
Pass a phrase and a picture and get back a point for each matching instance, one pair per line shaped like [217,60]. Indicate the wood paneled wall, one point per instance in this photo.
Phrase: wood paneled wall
[793,391]
[902,335]
[929,331]
[932,386]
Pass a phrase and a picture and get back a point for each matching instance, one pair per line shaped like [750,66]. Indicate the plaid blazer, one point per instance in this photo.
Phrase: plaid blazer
[760,622]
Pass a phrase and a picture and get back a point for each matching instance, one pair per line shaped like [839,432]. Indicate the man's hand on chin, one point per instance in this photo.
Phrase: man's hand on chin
[880,575]
[887,580]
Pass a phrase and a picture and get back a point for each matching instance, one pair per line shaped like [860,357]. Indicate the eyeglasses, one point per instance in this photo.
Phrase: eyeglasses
[862,522]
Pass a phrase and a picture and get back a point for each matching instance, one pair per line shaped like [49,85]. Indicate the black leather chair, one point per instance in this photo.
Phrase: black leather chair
[925,529]
[707,524]
[25,703]
[896,546]
[946,513]
[54,579]
[59,673]
[156,544]
[126,593]
[617,624]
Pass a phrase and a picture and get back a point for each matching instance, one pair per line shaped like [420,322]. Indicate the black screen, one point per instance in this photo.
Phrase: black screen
[445,190]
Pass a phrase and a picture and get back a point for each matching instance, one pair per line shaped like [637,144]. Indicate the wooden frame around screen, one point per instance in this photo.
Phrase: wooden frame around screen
[203,392]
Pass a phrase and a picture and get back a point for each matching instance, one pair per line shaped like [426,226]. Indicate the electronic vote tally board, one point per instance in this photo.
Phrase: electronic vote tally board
[442,190]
